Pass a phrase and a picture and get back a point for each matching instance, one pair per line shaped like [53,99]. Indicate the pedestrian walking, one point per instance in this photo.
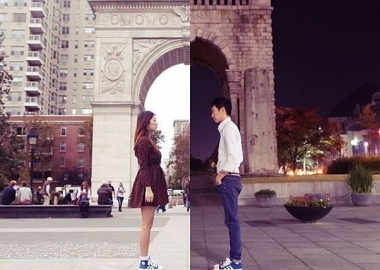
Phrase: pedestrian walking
[227,179]
[46,193]
[149,189]
[120,196]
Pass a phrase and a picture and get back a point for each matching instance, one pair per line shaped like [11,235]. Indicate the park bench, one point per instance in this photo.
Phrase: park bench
[51,211]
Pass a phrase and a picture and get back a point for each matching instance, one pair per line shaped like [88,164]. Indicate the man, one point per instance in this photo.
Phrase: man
[227,180]
[9,193]
[104,194]
[113,195]
[46,191]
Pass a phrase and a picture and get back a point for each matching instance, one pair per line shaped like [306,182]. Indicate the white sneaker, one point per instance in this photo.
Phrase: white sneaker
[228,265]
[149,264]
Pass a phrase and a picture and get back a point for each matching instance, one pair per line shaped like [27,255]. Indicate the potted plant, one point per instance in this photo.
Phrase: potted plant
[266,197]
[360,180]
[310,207]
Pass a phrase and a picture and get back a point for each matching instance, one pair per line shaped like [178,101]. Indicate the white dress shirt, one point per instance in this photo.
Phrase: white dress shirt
[230,152]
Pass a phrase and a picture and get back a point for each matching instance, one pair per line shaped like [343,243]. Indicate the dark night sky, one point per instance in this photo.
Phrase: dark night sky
[323,51]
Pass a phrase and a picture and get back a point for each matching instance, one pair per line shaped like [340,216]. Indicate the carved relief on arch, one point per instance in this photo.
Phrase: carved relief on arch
[113,71]
[174,18]
[141,48]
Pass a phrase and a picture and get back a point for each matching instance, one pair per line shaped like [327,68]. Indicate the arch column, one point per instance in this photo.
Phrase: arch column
[233,78]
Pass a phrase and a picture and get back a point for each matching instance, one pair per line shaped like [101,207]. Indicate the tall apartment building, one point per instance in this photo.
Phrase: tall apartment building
[50,48]
[181,126]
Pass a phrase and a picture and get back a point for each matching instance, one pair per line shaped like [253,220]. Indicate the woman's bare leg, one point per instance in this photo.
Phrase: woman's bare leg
[147,214]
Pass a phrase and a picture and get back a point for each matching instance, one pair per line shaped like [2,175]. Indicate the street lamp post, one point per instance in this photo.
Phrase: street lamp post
[32,142]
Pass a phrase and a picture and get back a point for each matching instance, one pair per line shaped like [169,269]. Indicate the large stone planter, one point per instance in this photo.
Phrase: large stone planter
[361,199]
[308,214]
[266,201]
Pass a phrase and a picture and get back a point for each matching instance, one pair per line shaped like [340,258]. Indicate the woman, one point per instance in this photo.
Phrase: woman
[149,189]
[83,198]
[120,196]
[25,194]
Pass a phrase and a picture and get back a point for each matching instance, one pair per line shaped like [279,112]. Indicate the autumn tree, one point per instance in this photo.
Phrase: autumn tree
[302,132]
[367,119]
[158,138]
[180,156]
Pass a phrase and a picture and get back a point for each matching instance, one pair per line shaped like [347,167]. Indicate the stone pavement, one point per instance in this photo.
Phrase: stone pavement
[94,243]
[348,238]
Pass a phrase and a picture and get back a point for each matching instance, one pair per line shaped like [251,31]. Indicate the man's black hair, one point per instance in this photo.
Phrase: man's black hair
[221,102]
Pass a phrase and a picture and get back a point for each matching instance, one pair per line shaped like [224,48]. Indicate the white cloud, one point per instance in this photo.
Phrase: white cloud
[169,99]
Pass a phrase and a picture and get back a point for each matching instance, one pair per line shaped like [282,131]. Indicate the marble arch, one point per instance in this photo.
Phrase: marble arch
[241,30]
[136,41]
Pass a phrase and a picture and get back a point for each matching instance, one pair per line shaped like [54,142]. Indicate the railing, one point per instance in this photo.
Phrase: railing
[221,2]
[35,37]
[34,54]
[35,21]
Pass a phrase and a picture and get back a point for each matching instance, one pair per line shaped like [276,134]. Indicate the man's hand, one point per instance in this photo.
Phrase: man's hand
[218,179]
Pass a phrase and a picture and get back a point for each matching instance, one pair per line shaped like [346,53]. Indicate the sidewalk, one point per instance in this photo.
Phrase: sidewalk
[348,238]
[94,244]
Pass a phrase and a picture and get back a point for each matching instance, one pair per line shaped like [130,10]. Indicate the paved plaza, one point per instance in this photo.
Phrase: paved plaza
[348,238]
[93,243]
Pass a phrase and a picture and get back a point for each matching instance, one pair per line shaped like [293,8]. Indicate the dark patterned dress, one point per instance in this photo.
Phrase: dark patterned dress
[150,174]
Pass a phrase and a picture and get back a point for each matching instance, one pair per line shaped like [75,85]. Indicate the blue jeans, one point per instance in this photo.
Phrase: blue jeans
[229,192]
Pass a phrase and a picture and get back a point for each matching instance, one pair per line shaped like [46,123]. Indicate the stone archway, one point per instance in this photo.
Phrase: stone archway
[241,31]
[136,41]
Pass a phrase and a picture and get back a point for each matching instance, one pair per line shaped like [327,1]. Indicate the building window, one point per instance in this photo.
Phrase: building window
[64,44]
[75,58]
[74,112]
[62,99]
[74,86]
[66,17]
[14,111]
[77,17]
[14,96]
[16,66]
[81,147]
[61,111]
[89,30]
[63,73]
[67,3]
[63,131]
[74,99]
[90,17]
[76,30]
[65,30]
[17,51]
[63,86]
[62,162]
[62,147]
[75,73]
[18,34]
[88,72]
[86,98]
[76,44]
[17,81]
[64,58]
[89,44]
[88,85]
[86,111]
[80,162]
[20,3]
[3,17]
[19,17]
[89,58]
[3,3]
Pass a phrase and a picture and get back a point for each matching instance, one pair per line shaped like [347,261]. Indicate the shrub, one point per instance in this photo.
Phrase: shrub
[360,179]
[343,165]
[265,192]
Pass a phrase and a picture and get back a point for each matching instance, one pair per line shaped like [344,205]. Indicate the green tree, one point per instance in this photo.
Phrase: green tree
[43,161]
[302,133]
[6,134]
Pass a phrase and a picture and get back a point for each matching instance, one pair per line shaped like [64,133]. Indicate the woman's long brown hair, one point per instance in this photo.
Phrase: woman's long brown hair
[143,120]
